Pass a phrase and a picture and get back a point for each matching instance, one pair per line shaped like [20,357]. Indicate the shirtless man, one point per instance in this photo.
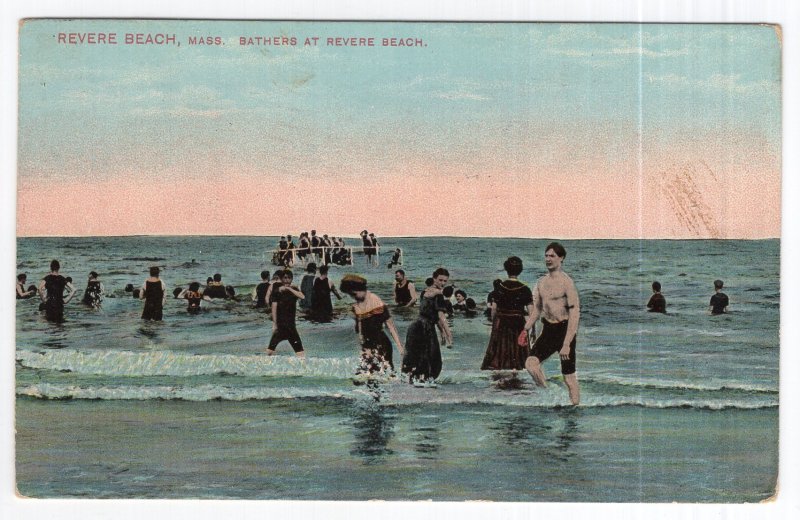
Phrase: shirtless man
[556,300]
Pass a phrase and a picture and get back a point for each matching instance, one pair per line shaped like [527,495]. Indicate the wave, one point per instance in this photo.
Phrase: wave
[114,363]
[170,363]
[710,386]
[397,394]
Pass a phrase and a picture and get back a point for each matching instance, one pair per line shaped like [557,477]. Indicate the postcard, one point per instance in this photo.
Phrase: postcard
[400,261]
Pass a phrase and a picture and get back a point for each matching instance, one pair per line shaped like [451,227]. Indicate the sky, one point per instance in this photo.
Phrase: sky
[486,129]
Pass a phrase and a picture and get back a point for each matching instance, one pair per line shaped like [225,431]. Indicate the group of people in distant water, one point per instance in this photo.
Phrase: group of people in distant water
[326,250]
[512,306]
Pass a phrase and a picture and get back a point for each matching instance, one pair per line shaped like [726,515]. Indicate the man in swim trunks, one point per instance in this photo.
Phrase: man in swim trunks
[405,295]
[555,299]
[283,299]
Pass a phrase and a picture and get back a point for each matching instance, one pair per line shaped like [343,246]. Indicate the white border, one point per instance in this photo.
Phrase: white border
[785,13]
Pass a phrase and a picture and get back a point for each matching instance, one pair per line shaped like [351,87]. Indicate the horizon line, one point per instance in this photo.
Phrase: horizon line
[396,237]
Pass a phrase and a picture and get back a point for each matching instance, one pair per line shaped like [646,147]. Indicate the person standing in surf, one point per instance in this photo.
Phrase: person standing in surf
[371,316]
[51,290]
[509,311]
[555,299]
[260,291]
[657,302]
[154,294]
[22,292]
[283,299]
[719,300]
[193,297]
[307,285]
[321,307]
[405,295]
[93,295]
[423,358]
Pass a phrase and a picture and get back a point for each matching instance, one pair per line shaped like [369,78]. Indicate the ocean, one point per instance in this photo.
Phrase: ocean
[679,407]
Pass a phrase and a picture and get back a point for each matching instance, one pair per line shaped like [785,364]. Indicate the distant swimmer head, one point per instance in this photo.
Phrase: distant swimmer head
[129,287]
[33,288]
[68,279]
[448,291]
[323,270]
[718,284]
[136,293]
[217,277]
[154,270]
[656,286]
[176,291]
[194,286]
[471,304]
[460,295]
[354,285]
[428,282]
[363,233]
[22,277]
[55,265]
[399,275]
[209,280]
[311,268]
[230,292]
[287,276]
[93,275]
[513,265]
[265,275]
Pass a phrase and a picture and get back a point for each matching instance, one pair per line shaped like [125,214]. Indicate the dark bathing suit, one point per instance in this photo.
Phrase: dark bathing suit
[321,307]
[375,345]
[285,314]
[423,357]
[261,294]
[718,303]
[91,296]
[153,298]
[550,341]
[503,353]
[54,284]
[193,297]
[657,303]
[402,295]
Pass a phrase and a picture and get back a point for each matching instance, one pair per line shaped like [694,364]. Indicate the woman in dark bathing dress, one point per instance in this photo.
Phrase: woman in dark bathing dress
[423,358]
[154,295]
[51,289]
[371,316]
[510,300]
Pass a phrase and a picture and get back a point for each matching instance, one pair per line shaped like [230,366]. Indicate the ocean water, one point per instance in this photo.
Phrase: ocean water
[676,407]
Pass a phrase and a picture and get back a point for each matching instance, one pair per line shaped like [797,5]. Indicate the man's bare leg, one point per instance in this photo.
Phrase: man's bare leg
[571,381]
[534,368]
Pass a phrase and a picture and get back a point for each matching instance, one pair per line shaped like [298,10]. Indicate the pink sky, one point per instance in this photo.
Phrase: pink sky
[675,200]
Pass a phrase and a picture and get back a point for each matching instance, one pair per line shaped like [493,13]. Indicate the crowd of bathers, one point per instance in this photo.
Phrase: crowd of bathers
[311,247]
[512,307]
